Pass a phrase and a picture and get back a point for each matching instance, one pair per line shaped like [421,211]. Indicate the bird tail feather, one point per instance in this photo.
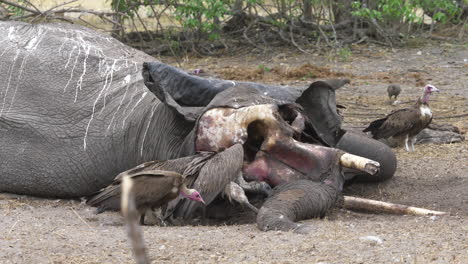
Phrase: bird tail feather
[106,199]
[374,127]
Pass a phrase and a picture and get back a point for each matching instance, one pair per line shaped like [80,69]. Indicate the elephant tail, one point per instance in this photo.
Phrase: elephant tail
[106,199]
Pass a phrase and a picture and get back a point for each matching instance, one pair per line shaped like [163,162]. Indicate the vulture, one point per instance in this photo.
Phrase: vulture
[405,123]
[393,90]
[153,188]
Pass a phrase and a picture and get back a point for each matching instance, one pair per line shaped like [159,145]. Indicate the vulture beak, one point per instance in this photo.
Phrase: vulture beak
[202,201]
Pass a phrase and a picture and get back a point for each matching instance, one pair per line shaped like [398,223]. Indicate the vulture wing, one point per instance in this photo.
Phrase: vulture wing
[217,172]
[152,174]
[397,123]
[149,184]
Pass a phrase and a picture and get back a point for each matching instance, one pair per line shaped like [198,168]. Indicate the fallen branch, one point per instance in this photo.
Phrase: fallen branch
[342,25]
[51,12]
[355,203]
[453,116]
[17,6]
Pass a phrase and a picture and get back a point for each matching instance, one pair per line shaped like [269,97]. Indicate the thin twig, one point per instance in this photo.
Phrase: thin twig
[86,223]
[13,226]
[31,4]
[57,6]
[291,35]
[143,24]
[18,6]
[245,34]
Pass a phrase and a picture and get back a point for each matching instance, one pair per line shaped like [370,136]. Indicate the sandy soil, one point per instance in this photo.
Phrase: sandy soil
[434,176]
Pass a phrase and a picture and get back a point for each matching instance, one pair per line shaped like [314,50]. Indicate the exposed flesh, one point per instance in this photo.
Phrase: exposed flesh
[272,154]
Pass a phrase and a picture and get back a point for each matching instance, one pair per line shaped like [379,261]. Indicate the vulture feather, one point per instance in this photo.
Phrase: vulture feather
[153,188]
[211,181]
[405,123]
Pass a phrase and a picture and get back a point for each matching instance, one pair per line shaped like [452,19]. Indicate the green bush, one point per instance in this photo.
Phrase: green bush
[405,11]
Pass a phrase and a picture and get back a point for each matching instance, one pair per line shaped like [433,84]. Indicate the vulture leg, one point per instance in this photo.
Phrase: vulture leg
[254,186]
[236,193]
[413,140]
[406,143]
[142,219]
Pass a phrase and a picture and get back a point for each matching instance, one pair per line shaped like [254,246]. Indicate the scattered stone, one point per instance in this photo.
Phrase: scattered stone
[372,239]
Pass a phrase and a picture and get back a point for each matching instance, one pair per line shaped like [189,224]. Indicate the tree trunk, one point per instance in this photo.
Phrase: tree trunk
[307,10]
[282,7]
[237,7]
[341,10]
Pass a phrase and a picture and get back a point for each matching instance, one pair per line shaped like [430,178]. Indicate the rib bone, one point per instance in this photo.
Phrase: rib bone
[355,203]
[359,163]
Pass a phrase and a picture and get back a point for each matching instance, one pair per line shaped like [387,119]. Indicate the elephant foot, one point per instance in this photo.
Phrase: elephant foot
[235,192]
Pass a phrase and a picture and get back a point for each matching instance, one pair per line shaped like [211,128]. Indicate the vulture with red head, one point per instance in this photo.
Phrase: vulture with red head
[405,123]
[152,189]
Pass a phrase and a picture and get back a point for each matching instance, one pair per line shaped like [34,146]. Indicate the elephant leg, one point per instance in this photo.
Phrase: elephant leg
[254,186]
[234,192]
[295,201]
[361,145]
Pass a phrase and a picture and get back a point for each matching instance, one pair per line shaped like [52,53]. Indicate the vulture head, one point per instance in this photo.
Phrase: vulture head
[192,194]
[428,90]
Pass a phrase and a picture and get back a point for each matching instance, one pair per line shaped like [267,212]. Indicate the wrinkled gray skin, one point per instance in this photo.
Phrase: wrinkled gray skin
[301,199]
[295,201]
[75,112]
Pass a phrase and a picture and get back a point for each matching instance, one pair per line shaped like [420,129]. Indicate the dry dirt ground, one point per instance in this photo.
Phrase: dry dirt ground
[434,176]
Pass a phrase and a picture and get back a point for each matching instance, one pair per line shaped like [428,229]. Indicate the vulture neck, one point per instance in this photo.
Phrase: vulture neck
[424,99]
[184,191]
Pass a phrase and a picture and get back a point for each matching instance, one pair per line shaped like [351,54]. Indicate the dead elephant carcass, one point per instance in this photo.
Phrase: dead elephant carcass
[260,138]
[75,112]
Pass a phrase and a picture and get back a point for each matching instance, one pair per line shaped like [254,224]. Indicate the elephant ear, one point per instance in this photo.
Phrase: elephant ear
[319,104]
[186,94]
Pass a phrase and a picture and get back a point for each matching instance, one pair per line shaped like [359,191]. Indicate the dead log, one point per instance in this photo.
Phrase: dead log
[438,137]
[362,204]
[132,216]
[444,127]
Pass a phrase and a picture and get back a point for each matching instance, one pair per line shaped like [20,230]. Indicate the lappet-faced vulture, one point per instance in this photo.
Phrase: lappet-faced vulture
[405,124]
[152,187]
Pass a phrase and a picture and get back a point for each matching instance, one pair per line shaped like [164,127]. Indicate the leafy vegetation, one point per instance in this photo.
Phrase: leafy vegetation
[403,10]
[205,26]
